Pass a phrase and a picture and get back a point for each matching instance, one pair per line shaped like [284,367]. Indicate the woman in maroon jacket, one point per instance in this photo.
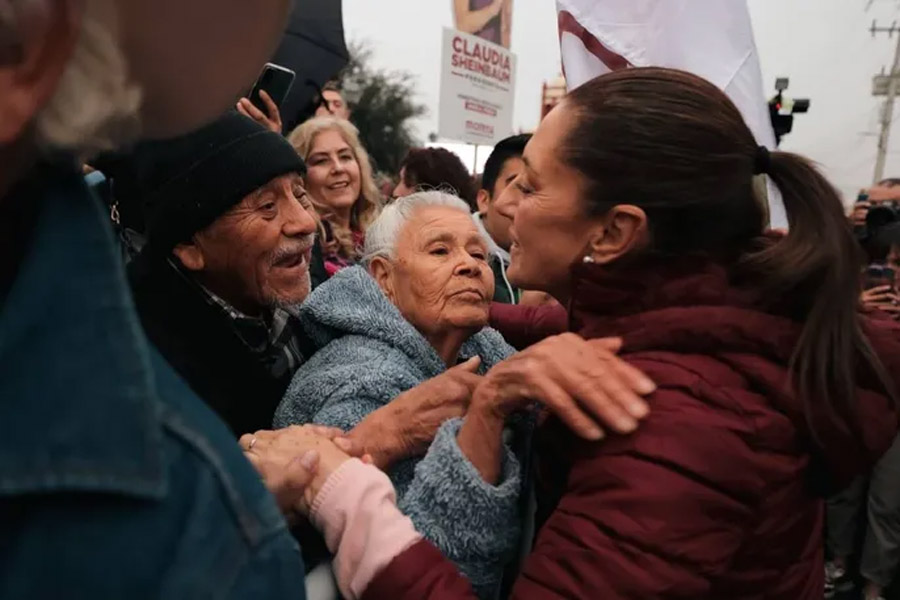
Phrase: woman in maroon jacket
[637,211]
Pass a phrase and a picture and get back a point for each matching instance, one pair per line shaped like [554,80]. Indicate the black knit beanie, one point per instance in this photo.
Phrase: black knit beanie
[189,182]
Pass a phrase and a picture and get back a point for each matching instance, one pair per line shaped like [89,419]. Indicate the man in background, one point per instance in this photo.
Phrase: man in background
[501,169]
[435,169]
[332,103]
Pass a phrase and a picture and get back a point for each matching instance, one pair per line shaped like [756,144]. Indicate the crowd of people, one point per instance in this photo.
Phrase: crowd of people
[232,366]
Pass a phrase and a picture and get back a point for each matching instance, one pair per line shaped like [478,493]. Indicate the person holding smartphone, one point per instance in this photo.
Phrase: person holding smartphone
[881,275]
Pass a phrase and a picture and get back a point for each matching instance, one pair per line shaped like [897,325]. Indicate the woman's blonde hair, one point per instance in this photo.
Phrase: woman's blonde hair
[369,202]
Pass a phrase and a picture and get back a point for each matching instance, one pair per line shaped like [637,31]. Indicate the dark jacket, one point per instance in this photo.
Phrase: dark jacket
[717,494]
[116,481]
[200,340]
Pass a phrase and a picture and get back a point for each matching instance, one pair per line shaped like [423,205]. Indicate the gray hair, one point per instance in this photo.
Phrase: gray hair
[95,105]
[381,237]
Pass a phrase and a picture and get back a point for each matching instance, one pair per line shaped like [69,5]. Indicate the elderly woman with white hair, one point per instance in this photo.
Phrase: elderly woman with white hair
[419,308]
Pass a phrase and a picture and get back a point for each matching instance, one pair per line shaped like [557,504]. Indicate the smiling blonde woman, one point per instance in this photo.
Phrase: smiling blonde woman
[340,182]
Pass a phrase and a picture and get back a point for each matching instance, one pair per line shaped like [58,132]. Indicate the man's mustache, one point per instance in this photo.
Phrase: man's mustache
[291,250]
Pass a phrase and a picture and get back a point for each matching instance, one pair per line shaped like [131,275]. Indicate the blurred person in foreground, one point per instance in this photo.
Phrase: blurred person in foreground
[341,185]
[719,492]
[226,262]
[434,169]
[419,308]
[116,481]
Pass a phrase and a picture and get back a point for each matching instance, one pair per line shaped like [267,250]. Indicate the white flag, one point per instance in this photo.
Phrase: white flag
[710,38]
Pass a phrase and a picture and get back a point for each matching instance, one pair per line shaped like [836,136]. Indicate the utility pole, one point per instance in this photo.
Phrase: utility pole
[886,85]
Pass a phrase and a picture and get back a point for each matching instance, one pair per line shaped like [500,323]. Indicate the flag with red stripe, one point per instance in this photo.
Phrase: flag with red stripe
[711,38]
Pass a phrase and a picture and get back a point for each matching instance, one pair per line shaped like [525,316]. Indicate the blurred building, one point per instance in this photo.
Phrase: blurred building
[551,93]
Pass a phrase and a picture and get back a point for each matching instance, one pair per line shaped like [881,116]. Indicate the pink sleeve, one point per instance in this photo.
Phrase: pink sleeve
[356,510]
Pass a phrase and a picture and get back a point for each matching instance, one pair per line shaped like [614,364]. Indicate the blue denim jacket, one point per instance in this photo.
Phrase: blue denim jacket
[116,481]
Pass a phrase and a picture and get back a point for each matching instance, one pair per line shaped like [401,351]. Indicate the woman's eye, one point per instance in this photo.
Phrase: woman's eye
[479,256]
[268,206]
[439,252]
[524,188]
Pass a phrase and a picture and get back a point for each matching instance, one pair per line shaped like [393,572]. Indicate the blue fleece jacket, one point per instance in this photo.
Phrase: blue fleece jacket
[368,355]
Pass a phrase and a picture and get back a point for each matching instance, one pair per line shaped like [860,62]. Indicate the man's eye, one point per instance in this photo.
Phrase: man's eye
[524,189]
[268,206]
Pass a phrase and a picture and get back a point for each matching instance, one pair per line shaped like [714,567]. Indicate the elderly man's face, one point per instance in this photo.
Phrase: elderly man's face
[257,255]
[439,278]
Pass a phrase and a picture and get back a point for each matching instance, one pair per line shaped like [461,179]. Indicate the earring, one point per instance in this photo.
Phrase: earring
[588,260]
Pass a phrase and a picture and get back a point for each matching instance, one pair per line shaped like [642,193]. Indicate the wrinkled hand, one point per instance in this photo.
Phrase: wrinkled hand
[406,426]
[271,121]
[884,298]
[581,381]
[296,461]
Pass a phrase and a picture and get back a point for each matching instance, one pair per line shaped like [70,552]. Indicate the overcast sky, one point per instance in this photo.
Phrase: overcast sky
[824,46]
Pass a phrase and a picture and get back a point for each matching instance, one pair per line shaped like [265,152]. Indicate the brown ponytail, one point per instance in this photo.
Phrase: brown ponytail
[677,147]
[818,263]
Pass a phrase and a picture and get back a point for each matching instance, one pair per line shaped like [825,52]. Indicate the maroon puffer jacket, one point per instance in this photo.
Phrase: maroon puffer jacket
[716,495]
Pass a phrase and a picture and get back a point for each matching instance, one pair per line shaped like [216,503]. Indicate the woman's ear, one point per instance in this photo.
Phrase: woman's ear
[190,256]
[382,271]
[622,229]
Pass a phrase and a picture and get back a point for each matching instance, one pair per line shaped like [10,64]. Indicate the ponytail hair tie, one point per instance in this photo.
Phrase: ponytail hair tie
[762,162]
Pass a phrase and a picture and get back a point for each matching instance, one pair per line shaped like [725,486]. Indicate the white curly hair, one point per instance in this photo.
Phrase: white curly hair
[95,106]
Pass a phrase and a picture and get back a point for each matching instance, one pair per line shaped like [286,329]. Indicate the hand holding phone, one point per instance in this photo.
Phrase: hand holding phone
[268,93]
[271,119]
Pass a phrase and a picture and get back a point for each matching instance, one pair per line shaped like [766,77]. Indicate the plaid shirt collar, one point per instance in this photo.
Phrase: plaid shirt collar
[273,338]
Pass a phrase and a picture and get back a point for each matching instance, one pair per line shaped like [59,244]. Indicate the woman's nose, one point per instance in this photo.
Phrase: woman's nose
[468,266]
[507,202]
[337,166]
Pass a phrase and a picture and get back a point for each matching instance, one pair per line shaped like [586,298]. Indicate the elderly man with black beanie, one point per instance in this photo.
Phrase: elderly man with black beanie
[230,232]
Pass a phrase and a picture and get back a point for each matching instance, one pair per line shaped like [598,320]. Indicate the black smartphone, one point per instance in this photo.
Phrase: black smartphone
[277,82]
[879,275]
